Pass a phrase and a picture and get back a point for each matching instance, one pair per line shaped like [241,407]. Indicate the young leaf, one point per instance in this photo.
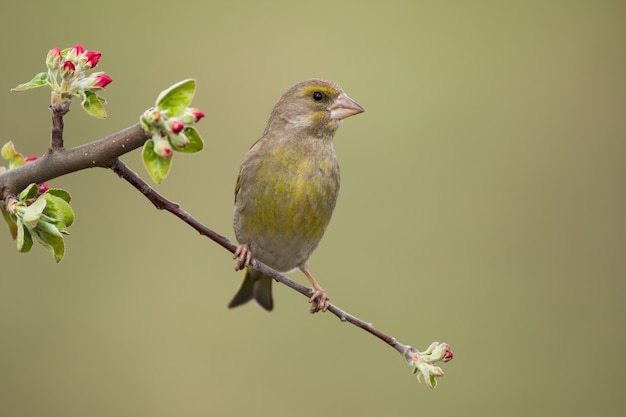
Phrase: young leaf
[10,222]
[58,209]
[9,153]
[32,213]
[92,104]
[177,97]
[195,141]
[24,239]
[156,166]
[37,81]
[52,242]
[57,192]
[29,192]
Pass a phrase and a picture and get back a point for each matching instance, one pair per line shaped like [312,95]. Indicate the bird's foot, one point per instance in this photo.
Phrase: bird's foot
[319,301]
[243,254]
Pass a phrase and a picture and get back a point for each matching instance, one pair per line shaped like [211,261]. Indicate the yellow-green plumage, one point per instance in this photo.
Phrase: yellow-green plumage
[288,184]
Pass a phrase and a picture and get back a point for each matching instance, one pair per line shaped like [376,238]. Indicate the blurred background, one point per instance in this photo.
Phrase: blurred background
[482,204]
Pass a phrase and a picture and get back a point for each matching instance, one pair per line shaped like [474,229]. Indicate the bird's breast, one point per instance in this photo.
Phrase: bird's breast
[285,203]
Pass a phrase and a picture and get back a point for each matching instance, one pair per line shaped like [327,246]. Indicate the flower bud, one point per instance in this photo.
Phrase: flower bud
[176,126]
[162,147]
[191,115]
[179,141]
[90,59]
[75,51]
[53,60]
[442,352]
[95,81]
[102,80]
[68,70]
[42,188]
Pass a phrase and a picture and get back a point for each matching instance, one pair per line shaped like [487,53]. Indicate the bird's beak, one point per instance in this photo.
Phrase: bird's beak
[344,107]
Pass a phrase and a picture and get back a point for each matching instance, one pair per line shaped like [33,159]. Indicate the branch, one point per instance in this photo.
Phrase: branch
[101,153]
[162,203]
[105,153]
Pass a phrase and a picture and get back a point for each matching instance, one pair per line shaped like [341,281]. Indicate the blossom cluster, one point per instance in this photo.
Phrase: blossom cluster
[168,132]
[67,73]
[423,362]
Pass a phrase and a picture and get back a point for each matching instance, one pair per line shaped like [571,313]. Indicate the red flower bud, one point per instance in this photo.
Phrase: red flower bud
[68,69]
[95,81]
[176,126]
[31,158]
[43,187]
[198,114]
[162,148]
[102,80]
[53,60]
[78,49]
[69,66]
[91,58]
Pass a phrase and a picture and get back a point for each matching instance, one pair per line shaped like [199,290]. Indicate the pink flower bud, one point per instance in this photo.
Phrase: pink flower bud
[162,148]
[31,158]
[102,80]
[198,114]
[191,115]
[176,126]
[68,69]
[442,352]
[77,50]
[95,81]
[43,187]
[179,141]
[91,58]
[53,60]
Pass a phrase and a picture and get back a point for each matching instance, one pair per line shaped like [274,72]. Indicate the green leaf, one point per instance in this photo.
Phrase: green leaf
[10,222]
[29,192]
[156,166]
[178,97]
[195,141]
[52,242]
[38,80]
[48,228]
[93,105]
[9,153]
[433,381]
[32,213]
[57,192]
[24,239]
[59,209]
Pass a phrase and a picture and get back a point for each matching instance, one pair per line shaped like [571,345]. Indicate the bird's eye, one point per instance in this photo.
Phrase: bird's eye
[317,96]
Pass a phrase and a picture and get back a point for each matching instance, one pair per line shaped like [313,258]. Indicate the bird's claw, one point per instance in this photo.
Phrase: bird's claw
[243,254]
[319,301]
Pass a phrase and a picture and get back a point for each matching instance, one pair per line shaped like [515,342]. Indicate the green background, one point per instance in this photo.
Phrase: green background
[483,204]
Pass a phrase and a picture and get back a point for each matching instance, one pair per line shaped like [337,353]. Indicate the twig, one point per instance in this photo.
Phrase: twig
[162,203]
[56,135]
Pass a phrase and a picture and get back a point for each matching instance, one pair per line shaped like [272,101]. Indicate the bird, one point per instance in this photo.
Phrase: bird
[287,188]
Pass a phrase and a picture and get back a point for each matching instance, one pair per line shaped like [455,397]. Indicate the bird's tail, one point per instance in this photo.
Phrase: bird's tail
[255,286]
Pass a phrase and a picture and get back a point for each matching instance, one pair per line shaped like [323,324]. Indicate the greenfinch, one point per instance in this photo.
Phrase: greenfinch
[287,188]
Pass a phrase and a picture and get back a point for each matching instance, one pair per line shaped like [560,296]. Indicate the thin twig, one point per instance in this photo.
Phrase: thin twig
[56,135]
[104,153]
[162,203]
